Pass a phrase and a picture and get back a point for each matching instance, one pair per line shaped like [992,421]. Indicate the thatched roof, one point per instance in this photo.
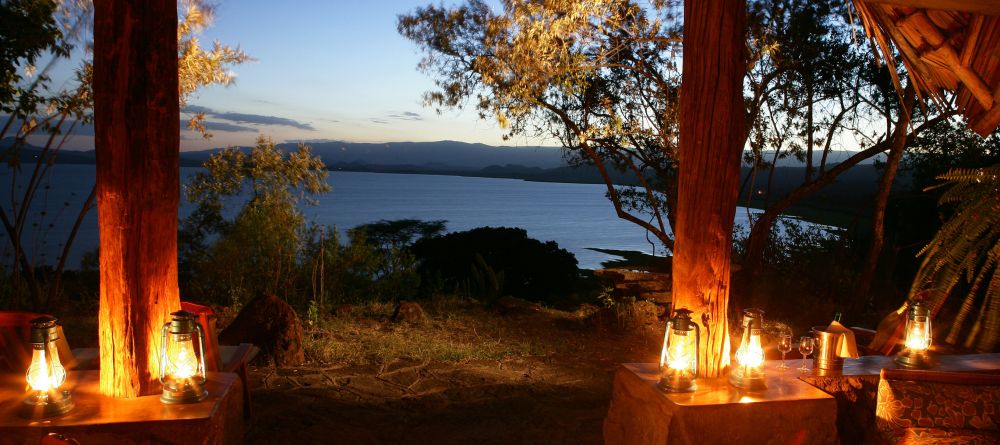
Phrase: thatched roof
[946,45]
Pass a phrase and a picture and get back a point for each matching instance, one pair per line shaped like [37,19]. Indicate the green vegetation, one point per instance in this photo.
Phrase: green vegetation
[488,262]
[963,259]
[268,247]
[257,251]
[42,33]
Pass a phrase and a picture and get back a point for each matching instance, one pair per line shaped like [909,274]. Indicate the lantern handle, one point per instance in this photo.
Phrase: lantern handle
[697,344]
[201,349]
[663,350]
[163,353]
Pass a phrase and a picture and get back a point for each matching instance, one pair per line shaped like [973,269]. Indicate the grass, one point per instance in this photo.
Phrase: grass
[453,331]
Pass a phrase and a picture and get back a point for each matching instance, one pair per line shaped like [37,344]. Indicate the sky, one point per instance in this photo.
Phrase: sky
[324,69]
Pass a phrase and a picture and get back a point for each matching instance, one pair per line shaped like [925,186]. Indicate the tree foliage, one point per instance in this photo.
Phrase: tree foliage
[489,262]
[257,251]
[600,77]
[963,259]
[36,106]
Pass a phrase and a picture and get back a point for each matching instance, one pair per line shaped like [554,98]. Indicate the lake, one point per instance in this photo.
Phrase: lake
[577,216]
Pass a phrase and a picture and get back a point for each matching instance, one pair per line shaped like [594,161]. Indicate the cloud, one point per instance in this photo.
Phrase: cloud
[195,109]
[379,121]
[224,126]
[311,141]
[407,116]
[246,118]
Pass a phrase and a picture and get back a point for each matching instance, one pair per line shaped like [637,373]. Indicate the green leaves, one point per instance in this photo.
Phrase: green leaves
[258,249]
[599,76]
[964,255]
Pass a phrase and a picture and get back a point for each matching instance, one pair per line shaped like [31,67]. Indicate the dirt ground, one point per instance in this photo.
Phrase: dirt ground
[556,393]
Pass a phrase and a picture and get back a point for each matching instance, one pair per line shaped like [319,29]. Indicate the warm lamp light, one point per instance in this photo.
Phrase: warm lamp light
[679,358]
[46,373]
[182,362]
[748,371]
[917,335]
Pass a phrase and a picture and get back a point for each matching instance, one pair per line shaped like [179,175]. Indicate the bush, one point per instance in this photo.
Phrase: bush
[808,276]
[488,262]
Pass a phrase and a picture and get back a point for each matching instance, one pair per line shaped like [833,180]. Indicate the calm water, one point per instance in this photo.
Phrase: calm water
[577,216]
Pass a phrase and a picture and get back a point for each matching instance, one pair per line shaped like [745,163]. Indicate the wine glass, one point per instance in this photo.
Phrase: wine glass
[806,345]
[784,346]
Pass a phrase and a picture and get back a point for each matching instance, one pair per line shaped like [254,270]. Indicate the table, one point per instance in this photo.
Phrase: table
[787,411]
[856,387]
[98,419]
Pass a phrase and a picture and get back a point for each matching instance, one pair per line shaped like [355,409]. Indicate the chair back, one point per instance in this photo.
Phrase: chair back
[15,332]
[213,359]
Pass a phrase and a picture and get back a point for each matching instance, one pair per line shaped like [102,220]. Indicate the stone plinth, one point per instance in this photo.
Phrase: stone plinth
[787,411]
[97,419]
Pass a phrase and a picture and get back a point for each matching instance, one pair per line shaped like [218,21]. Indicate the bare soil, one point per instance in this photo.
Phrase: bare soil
[547,379]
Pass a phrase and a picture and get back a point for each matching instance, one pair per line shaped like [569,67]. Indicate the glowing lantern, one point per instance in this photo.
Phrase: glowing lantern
[679,359]
[46,373]
[917,337]
[182,362]
[748,371]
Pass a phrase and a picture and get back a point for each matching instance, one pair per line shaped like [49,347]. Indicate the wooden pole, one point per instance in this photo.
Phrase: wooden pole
[712,134]
[137,122]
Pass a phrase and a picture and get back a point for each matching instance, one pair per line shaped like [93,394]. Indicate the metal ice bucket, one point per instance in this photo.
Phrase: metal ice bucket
[826,349]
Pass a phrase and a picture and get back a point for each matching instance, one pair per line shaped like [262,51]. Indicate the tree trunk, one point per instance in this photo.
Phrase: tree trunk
[861,295]
[712,133]
[137,124]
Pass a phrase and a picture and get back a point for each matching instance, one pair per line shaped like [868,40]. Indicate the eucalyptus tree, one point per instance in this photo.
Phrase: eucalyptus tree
[602,78]
[814,90]
[48,33]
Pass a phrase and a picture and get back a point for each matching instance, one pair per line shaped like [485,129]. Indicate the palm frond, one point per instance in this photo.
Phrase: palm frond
[966,252]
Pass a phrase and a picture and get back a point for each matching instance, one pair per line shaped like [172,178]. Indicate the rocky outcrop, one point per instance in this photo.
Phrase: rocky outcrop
[270,324]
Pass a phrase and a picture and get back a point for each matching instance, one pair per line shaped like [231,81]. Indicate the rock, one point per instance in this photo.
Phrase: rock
[409,312]
[270,324]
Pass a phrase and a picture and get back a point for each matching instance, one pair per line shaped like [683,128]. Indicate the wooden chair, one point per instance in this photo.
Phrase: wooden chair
[931,407]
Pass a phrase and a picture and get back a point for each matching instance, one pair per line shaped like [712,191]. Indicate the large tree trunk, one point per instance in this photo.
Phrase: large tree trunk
[712,133]
[861,295]
[137,123]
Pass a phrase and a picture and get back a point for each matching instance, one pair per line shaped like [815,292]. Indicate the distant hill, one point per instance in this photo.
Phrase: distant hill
[851,193]
[441,155]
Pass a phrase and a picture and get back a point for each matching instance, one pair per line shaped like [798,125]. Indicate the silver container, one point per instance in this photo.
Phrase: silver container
[826,349]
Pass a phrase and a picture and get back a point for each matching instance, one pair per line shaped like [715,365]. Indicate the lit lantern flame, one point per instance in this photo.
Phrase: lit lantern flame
[753,355]
[749,372]
[679,356]
[182,363]
[918,334]
[918,337]
[45,373]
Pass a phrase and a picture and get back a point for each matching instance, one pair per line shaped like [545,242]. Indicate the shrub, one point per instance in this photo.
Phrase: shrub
[488,262]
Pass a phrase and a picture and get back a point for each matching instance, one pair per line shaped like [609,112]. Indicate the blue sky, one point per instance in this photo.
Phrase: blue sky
[327,70]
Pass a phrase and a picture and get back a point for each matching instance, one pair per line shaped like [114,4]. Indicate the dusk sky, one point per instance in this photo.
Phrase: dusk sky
[327,70]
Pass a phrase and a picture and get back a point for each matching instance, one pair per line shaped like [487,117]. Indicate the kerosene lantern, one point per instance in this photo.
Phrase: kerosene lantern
[917,340]
[46,373]
[748,370]
[182,361]
[679,358]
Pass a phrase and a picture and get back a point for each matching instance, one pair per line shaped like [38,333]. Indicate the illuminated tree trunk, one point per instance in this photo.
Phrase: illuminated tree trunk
[712,133]
[137,123]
